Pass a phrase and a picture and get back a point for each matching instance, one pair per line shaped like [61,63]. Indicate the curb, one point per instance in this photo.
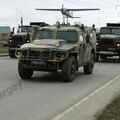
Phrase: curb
[92,105]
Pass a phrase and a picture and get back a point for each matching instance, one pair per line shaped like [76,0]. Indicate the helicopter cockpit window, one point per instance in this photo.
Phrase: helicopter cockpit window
[44,34]
[25,29]
[69,36]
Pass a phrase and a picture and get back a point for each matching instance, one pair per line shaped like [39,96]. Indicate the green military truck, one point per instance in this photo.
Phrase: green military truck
[108,44]
[61,47]
[24,35]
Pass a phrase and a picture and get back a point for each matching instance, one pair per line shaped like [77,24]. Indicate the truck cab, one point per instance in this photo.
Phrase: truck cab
[24,35]
[109,42]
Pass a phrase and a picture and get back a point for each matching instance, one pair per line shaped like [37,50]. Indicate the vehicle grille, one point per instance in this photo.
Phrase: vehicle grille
[32,54]
[17,39]
[39,54]
[107,42]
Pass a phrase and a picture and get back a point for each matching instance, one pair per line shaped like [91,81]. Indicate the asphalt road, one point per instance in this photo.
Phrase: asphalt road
[45,95]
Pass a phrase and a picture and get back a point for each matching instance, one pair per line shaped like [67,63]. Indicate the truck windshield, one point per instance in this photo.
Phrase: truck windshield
[69,36]
[25,29]
[110,31]
[44,34]
[116,31]
[105,30]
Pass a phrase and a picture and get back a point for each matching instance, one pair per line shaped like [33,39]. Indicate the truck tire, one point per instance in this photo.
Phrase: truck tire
[23,72]
[88,69]
[68,69]
[12,53]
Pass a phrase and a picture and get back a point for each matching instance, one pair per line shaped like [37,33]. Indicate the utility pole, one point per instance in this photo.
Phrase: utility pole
[21,21]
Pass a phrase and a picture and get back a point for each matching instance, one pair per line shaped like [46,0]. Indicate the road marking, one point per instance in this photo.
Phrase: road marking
[70,109]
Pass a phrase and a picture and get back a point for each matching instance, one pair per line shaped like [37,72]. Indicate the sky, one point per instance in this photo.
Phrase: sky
[12,10]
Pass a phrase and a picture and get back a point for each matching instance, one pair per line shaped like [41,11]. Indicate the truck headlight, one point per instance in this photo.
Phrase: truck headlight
[97,43]
[10,40]
[28,41]
[118,44]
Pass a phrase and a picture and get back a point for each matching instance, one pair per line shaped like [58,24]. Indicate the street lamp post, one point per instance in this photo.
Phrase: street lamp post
[21,16]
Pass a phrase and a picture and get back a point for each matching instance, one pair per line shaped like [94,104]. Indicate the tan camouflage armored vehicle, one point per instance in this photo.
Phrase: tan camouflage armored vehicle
[61,47]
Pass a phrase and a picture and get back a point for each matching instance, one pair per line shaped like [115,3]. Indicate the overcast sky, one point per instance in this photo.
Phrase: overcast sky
[12,10]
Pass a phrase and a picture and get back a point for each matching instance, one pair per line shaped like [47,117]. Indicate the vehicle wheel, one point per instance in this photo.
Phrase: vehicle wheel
[68,69]
[97,57]
[23,72]
[103,56]
[12,53]
[88,69]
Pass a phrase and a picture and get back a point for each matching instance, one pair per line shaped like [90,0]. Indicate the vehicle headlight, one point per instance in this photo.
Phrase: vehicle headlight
[118,44]
[28,41]
[65,54]
[18,53]
[97,43]
[60,55]
[10,40]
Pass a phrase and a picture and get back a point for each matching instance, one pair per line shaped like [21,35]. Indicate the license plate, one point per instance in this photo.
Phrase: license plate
[38,62]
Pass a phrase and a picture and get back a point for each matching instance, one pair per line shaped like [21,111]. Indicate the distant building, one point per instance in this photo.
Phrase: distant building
[4,34]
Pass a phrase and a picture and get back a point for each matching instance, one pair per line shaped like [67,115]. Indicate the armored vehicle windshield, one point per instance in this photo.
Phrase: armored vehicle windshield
[44,34]
[69,36]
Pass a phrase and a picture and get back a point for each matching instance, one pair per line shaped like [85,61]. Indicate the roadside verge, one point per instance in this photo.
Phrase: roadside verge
[92,105]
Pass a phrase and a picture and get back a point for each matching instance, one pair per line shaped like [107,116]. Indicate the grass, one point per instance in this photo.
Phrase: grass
[112,111]
[3,49]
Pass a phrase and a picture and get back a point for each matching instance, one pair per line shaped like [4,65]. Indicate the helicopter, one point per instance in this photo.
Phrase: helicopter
[68,13]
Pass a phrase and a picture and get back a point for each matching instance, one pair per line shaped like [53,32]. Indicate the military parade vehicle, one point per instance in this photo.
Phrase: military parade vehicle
[24,35]
[108,44]
[63,47]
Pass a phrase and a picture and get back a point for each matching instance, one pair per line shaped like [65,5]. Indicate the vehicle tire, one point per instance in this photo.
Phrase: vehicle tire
[23,72]
[88,69]
[12,53]
[97,57]
[103,56]
[68,69]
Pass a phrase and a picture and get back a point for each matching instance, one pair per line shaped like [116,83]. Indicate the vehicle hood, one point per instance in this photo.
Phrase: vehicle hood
[49,43]
[110,36]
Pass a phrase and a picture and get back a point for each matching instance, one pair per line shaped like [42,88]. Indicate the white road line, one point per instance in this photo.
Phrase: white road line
[70,109]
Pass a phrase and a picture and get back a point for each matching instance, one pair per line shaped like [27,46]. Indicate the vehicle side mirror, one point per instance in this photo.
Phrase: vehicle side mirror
[87,38]
[12,32]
